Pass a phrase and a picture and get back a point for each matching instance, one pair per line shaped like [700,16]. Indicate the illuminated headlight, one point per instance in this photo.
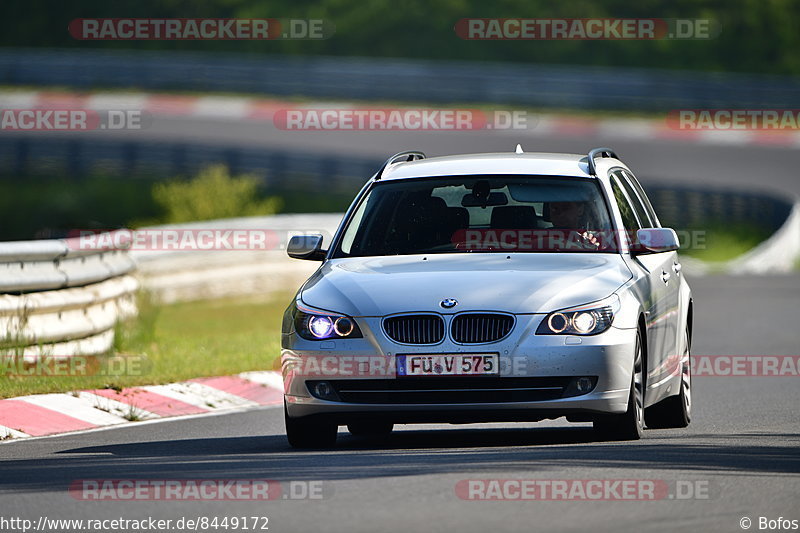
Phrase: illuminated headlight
[589,319]
[320,326]
[585,321]
[316,325]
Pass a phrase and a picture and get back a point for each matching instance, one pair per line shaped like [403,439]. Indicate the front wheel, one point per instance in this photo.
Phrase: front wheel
[630,424]
[309,433]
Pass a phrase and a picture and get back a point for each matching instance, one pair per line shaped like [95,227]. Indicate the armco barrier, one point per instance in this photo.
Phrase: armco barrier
[58,300]
[359,78]
[22,155]
[185,275]
[677,205]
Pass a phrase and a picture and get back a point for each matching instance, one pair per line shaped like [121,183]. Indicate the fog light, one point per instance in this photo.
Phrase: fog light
[584,384]
[323,390]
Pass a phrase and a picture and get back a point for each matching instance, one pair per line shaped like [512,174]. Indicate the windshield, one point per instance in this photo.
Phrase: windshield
[480,214]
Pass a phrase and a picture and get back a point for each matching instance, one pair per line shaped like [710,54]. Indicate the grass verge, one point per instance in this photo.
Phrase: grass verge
[179,341]
[723,242]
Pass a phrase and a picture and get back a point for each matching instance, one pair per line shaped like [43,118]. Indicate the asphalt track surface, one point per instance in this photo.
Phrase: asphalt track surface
[742,449]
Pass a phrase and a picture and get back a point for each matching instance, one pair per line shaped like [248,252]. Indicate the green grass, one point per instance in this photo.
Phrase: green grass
[179,342]
[726,242]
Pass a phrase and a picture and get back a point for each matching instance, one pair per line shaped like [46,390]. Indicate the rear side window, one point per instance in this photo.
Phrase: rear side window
[626,210]
[643,196]
[638,207]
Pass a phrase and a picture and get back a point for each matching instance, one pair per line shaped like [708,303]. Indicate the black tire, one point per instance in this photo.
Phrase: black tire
[675,411]
[630,424]
[370,429]
[309,433]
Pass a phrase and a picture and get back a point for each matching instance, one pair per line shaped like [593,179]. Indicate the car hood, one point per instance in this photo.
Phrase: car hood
[516,283]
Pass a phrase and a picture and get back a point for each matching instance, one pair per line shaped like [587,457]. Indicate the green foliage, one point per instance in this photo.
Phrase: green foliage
[723,241]
[757,36]
[213,193]
[46,207]
[315,202]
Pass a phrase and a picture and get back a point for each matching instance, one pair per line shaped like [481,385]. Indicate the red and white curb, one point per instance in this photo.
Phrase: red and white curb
[48,414]
[263,109]
[647,129]
[223,107]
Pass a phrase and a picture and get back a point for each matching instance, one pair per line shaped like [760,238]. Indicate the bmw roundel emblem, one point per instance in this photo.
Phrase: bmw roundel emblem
[447,303]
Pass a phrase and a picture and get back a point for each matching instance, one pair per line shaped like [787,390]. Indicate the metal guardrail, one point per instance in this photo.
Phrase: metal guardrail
[686,207]
[23,155]
[677,205]
[577,87]
[59,300]
[186,275]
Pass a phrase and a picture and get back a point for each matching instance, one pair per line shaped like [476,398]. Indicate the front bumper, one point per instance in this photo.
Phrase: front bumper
[537,379]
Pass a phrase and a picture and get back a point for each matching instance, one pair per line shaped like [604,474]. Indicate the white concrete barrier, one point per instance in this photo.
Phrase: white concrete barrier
[57,299]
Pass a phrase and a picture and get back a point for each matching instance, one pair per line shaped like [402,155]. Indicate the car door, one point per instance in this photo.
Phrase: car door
[657,287]
[672,266]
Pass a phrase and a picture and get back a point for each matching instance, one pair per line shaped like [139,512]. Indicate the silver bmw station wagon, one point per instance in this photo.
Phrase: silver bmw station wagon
[485,288]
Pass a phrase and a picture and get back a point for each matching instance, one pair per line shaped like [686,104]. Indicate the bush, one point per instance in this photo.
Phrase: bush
[47,207]
[212,194]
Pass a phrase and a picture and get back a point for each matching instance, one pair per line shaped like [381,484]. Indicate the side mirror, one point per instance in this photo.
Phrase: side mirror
[657,240]
[306,247]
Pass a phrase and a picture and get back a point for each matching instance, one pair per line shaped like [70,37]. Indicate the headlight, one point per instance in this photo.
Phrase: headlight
[589,319]
[317,325]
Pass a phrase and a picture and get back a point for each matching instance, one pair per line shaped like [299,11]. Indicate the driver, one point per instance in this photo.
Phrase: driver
[571,216]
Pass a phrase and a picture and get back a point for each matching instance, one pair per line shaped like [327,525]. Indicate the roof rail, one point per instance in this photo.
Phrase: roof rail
[599,152]
[410,155]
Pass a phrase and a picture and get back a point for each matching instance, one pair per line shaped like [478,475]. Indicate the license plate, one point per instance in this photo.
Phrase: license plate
[467,364]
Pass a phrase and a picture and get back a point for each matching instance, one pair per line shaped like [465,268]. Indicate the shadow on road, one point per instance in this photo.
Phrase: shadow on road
[405,453]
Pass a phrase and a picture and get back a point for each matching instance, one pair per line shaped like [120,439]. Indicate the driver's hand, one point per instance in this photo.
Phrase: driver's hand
[591,238]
